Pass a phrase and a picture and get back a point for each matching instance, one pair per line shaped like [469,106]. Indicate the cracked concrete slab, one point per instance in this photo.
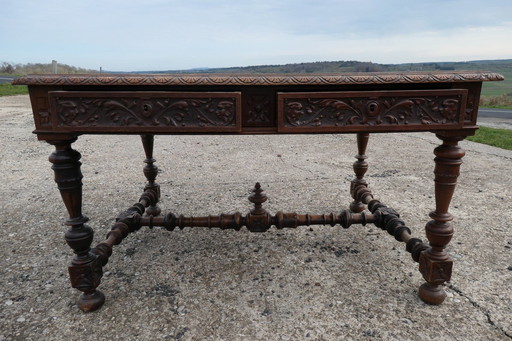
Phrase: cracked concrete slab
[312,283]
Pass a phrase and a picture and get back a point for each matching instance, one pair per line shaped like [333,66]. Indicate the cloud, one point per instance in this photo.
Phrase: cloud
[172,34]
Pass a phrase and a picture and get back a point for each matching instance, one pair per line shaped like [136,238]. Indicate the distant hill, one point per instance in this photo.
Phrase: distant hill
[502,66]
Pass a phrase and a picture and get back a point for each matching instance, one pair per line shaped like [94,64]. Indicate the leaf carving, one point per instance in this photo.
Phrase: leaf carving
[121,111]
[372,111]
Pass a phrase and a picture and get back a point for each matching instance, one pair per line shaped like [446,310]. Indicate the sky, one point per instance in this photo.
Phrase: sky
[152,35]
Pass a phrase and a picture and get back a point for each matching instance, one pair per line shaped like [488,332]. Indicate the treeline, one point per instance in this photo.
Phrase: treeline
[39,68]
[358,66]
[339,66]
[328,67]
[313,67]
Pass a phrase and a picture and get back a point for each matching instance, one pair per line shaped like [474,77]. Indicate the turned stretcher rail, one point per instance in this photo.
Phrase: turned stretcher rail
[259,220]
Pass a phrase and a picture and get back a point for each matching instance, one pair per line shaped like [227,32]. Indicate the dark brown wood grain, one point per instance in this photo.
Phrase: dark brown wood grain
[66,106]
[196,79]
[136,111]
[352,111]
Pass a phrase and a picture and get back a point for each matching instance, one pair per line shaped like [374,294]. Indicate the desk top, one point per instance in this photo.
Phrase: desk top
[70,105]
[259,79]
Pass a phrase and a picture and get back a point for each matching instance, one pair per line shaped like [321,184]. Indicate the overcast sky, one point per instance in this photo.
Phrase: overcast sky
[128,35]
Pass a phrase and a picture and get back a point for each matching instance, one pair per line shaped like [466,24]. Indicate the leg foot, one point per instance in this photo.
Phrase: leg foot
[360,168]
[85,271]
[432,294]
[435,263]
[91,301]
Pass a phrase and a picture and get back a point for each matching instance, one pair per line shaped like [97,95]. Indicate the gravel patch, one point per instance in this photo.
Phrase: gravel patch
[312,283]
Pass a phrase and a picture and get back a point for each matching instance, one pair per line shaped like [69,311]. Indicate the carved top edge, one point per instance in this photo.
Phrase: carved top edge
[258,79]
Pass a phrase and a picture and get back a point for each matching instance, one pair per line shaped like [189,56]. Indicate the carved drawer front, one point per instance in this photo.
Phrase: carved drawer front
[416,110]
[157,112]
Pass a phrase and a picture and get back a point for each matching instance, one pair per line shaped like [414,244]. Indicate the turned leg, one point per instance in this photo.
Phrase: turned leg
[85,270]
[360,168]
[151,171]
[435,263]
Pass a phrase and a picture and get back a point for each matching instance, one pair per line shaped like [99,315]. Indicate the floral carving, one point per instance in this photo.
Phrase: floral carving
[372,111]
[259,109]
[161,111]
[471,105]
[44,119]
[87,276]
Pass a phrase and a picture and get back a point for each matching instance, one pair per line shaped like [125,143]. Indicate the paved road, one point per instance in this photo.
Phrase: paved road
[6,79]
[497,113]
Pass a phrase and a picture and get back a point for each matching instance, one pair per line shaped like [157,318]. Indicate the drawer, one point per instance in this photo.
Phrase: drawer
[141,111]
[353,111]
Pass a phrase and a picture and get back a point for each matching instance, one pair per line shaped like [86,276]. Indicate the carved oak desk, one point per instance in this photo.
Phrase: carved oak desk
[65,107]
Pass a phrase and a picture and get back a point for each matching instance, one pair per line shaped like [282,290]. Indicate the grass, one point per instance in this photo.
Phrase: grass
[7,89]
[498,94]
[501,138]
[498,88]
[503,101]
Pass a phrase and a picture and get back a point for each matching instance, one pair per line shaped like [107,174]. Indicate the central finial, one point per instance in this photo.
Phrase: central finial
[257,198]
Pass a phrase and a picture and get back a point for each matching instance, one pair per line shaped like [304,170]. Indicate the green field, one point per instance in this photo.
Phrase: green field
[501,138]
[7,89]
[499,88]
[498,94]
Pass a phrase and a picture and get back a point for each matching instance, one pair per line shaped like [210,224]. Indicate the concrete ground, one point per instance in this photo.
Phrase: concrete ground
[318,283]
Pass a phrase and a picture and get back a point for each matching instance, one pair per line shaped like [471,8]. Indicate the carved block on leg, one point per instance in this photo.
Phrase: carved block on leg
[435,272]
[86,278]
[85,271]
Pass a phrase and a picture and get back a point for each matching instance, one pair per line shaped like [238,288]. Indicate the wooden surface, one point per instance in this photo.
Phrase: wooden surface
[258,79]
[66,106]
[254,104]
